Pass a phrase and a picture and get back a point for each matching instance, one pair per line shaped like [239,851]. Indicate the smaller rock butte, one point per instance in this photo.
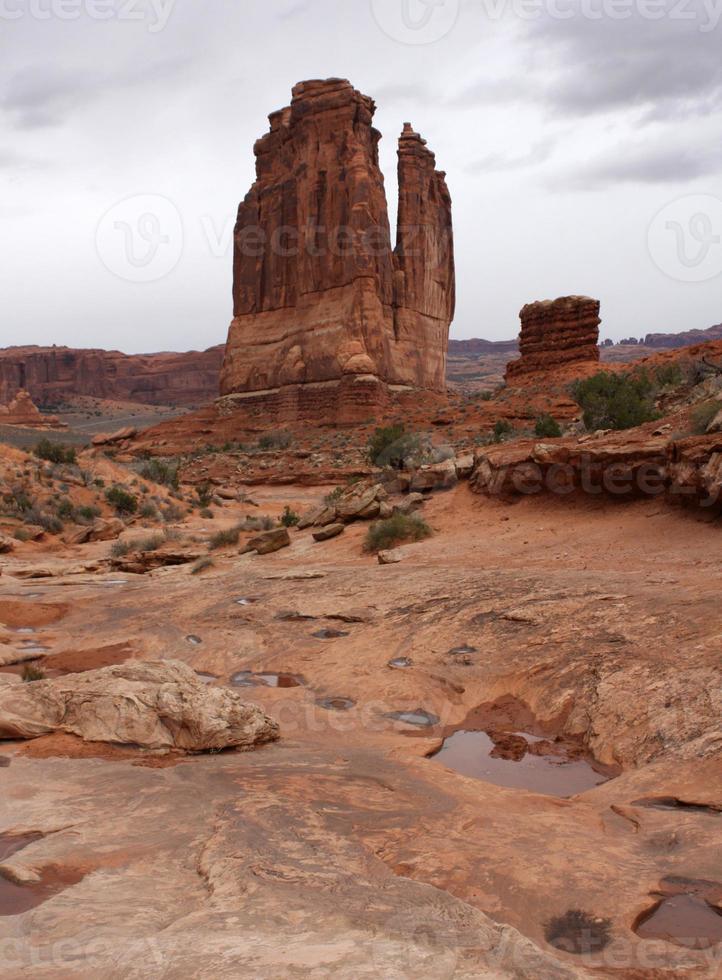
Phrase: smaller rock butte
[327,317]
[23,411]
[556,333]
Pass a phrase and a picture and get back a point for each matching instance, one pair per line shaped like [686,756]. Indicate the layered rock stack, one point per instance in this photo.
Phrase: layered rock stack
[556,333]
[326,315]
[24,412]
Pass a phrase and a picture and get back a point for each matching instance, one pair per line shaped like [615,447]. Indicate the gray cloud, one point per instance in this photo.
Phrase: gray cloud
[646,164]
[538,152]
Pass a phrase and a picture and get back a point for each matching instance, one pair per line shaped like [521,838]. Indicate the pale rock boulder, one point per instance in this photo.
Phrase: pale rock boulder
[267,542]
[152,704]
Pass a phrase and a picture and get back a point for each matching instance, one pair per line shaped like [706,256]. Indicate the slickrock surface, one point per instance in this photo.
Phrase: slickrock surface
[325,313]
[342,850]
[21,410]
[555,334]
[53,375]
[153,704]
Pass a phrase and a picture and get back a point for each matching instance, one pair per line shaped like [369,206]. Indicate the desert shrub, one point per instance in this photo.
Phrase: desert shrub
[702,414]
[275,440]
[502,430]
[32,673]
[21,534]
[163,471]
[262,523]
[204,492]
[171,513]
[547,427]
[615,401]
[86,514]
[393,446]
[669,375]
[207,514]
[578,932]
[40,518]
[201,565]
[226,537]
[152,543]
[121,500]
[55,452]
[289,518]
[395,530]
[65,509]
[332,498]
[148,511]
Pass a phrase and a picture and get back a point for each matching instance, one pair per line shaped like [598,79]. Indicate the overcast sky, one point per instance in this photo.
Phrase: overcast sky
[581,143]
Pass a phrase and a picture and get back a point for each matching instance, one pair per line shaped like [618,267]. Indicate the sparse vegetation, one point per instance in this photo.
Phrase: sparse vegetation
[702,414]
[55,452]
[578,932]
[204,492]
[275,440]
[164,471]
[616,401]
[394,531]
[226,537]
[502,430]
[547,427]
[152,543]
[289,518]
[669,375]
[121,500]
[207,514]
[32,673]
[148,511]
[333,498]
[393,446]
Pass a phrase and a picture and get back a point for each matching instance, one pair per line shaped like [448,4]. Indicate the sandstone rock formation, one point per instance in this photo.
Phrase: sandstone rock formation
[153,704]
[24,412]
[556,333]
[55,374]
[688,338]
[324,310]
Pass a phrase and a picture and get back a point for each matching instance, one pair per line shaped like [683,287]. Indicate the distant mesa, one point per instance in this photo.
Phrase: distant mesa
[54,375]
[327,316]
[555,334]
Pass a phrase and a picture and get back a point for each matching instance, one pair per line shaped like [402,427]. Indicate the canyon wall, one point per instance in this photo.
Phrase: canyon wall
[54,375]
[319,295]
[556,333]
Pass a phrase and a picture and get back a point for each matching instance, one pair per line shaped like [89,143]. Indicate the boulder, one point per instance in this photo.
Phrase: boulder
[6,544]
[464,466]
[437,476]
[226,493]
[326,516]
[154,704]
[391,556]
[310,517]
[352,506]
[267,542]
[330,531]
[141,562]
[409,504]
[78,534]
[555,333]
[106,529]
[129,432]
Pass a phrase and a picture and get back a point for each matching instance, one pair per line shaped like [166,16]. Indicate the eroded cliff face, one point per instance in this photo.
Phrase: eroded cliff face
[319,295]
[52,375]
[556,333]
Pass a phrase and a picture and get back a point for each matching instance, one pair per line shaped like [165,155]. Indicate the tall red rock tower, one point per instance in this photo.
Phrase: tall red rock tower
[324,309]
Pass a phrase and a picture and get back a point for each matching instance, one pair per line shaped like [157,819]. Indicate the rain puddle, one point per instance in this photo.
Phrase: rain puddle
[24,629]
[247,678]
[463,650]
[15,898]
[34,648]
[418,717]
[398,663]
[246,600]
[195,640]
[328,634]
[115,581]
[336,704]
[206,678]
[510,762]
[685,915]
